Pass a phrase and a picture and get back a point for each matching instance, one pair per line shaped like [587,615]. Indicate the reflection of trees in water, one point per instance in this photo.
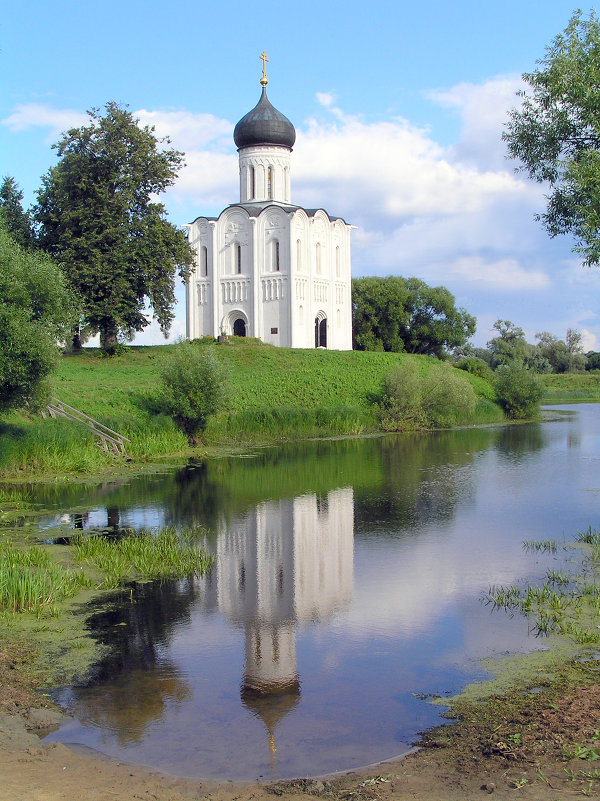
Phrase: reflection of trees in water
[197,499]
[425,476]
[406,477]
[131,685]
[518,441]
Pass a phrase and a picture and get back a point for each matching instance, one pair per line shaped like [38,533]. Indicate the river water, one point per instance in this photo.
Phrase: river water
[348,583]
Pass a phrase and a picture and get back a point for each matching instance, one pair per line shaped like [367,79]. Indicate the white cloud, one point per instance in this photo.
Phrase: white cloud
[326,99]
[32,115]
[589,340]
[191,131]
[483,109]
[502,274]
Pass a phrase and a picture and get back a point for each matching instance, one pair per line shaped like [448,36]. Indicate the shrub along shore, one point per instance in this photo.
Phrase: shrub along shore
[272,394]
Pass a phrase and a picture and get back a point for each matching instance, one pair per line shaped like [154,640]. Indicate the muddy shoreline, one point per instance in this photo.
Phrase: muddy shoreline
[536,742]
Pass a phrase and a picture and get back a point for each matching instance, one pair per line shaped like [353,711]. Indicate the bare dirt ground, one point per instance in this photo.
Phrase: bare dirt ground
[516,746]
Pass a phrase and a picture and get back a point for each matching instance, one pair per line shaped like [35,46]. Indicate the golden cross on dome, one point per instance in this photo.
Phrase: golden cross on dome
[264,80]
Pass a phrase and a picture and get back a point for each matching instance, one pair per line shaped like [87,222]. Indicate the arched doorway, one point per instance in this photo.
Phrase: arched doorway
[320,331]
[239,328]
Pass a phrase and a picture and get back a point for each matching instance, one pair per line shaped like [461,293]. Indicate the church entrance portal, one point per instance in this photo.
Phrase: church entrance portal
[320,332]
[239,328]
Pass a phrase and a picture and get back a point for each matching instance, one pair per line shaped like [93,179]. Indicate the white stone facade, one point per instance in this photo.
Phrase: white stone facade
[268,269]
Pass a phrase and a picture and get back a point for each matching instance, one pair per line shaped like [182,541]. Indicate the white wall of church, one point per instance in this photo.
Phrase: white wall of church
[278,271]
[321,267]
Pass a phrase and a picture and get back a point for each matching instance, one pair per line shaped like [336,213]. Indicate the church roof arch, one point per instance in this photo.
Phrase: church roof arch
[256,209]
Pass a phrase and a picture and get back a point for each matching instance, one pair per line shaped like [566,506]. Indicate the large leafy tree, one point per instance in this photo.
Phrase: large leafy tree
[16,220]
[563,356]
[97,212]
[37,310]
[509,345]
[399,314]
[555,133]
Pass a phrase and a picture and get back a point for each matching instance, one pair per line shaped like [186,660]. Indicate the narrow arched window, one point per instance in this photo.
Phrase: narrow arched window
[270,183]
[252,183]
[276,265]
[238,259]
[298,254]
[337,262]
[301,315]
[204,261]
[318,255]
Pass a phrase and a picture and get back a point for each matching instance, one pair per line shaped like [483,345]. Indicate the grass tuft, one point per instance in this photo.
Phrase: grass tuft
[145,555]
[30,582]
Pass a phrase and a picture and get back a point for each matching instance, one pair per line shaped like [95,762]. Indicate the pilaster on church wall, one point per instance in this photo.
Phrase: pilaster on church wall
[273,224]
[302,325]
[233,291]
[199,296]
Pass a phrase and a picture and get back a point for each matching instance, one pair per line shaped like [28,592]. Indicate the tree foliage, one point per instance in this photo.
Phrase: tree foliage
[555,133]
[97,214]
[192,388]
[17,221]
[562,356]
[508,345]
[550,355]
[36,311]
[405,314]
[592,360]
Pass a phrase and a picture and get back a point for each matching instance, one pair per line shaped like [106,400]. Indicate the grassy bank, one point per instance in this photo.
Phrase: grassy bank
[274,394]
[565,387]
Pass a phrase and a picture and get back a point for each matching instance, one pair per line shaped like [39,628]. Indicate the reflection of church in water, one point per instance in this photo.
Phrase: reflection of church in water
[286,563]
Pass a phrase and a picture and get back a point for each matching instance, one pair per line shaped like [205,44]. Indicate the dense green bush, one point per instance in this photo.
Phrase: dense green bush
[448,398]
[518,391]
[475,366]
[442,397]
[192,388]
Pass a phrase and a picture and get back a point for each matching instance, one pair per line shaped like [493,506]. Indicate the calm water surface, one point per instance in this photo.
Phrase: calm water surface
[348,580]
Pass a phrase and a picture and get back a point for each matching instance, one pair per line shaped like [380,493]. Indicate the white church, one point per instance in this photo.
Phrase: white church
[264,267]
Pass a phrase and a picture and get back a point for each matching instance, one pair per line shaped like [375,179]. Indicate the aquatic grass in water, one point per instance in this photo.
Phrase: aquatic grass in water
[589,537]
[30,582]
[145,555]
[557,578]
[548,546]
[554,610]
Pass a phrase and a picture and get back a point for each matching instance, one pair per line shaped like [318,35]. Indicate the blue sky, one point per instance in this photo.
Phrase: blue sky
[398,108]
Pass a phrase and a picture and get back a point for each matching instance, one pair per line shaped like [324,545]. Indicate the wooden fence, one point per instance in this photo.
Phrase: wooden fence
[110,440]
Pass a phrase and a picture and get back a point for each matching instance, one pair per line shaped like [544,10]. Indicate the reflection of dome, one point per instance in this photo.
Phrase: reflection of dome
[264,125]
[271,704]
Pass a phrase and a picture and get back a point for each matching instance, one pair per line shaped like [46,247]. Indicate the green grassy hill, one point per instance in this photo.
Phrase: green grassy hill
[566,387]
[274,394]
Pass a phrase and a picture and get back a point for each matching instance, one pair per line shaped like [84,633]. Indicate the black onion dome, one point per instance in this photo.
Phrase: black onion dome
[264,125]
